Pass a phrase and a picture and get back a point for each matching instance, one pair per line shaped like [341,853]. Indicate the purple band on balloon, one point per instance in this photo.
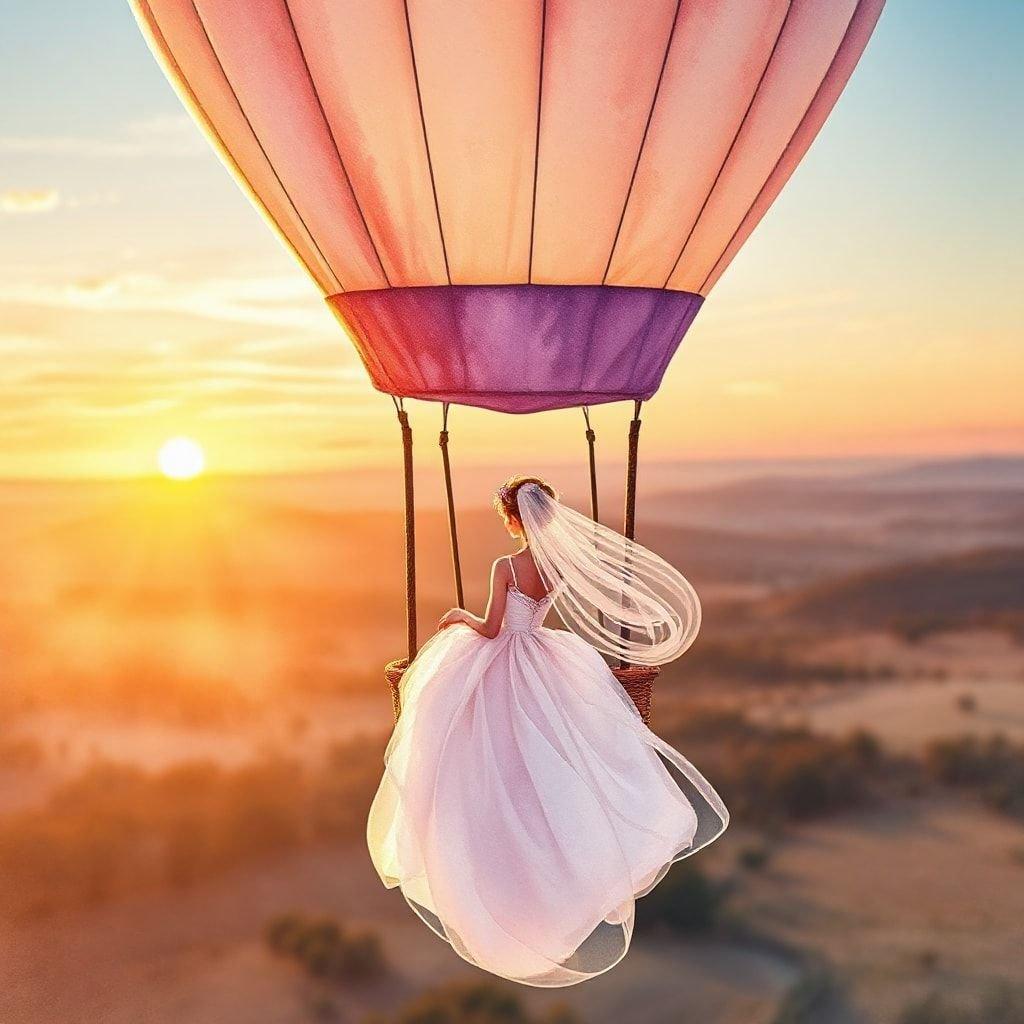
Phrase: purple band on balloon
[517,348]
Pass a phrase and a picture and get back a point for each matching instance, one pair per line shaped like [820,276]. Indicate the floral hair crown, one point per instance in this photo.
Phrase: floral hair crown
[506,492]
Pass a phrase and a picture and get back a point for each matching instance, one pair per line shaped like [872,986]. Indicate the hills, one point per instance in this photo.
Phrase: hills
[977,588]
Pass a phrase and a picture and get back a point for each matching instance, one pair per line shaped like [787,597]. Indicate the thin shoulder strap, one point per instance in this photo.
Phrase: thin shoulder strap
[512,566]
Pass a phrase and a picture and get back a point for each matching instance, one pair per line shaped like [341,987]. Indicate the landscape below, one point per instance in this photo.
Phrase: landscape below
[195,715]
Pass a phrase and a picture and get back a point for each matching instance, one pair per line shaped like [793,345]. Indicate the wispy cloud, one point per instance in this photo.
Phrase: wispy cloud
[37,200]
[144,353]
[120,410]
[171,135]
[262,410]
[287,302]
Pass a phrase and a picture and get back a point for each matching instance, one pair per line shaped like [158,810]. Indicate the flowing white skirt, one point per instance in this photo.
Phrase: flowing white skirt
[525,806]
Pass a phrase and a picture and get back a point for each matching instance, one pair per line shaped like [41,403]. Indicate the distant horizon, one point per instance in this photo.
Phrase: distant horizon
[425,464]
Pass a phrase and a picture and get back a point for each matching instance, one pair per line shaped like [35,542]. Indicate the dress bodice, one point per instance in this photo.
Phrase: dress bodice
[524,613]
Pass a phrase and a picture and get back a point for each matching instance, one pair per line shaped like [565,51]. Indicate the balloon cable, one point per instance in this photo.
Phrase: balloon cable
[629,516]
[410,527]
[591,441]
[453,531]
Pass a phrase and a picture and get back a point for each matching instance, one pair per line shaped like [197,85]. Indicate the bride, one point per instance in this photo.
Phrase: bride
[524,805]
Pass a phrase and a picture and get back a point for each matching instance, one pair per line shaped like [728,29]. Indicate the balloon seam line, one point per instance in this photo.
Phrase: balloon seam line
[536,143]
[426,140]
[334,140]
[771,174]
[258,141]
[643,141]
[732,145]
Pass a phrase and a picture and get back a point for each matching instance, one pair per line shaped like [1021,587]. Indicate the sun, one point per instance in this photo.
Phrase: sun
[181,458]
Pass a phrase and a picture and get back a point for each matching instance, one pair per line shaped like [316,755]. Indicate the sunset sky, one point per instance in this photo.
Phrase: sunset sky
[878,309]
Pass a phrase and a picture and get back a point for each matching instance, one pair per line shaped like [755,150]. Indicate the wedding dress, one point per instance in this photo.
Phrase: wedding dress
[524,805]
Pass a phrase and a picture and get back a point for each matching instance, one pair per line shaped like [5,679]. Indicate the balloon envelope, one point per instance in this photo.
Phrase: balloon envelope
[518,205]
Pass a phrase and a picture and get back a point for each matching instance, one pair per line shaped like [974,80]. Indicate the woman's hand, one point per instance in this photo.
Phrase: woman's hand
[490,625]
[452,617]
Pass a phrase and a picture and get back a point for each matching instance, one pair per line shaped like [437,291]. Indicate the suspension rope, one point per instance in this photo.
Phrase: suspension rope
[410,527]
[591,440]
[629,519]
[629,515]
[453,532]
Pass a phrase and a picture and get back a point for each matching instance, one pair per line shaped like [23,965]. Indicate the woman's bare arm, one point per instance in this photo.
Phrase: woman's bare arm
[490,624]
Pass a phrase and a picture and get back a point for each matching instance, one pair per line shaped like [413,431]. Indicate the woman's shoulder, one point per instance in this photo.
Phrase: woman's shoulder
[501,567]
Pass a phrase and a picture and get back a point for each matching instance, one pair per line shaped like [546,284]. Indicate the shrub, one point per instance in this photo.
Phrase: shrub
[686,900]
[795,776]
[341,794]
[864,748]
[323,1007]
[994,767]
[1002,1004]
[807,1001]
[933,1010]
[117,828]
[321,949]
[967,703]
[770,775]
[474,1002]
[754,857]
[325,949]
[363,955]
[769,661]
[284,932]
[262,810]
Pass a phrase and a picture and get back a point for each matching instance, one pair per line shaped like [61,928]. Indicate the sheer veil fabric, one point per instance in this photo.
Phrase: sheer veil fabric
[524,805]
[618,596]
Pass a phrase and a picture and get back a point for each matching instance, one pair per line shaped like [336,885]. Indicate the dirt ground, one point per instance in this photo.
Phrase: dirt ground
[901,899]
[198,957]
[925,699]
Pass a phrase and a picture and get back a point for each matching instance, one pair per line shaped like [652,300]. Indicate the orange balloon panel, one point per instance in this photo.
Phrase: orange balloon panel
[514,152]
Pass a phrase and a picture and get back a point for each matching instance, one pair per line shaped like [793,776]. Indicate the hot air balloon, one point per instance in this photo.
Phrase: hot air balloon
[512,204]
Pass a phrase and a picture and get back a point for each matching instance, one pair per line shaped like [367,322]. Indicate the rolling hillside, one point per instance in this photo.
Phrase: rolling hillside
[978,588]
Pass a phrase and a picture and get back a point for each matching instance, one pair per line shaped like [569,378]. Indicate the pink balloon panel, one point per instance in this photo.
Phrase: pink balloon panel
[517,204]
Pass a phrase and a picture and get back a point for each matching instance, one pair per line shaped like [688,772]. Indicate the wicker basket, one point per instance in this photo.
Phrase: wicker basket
[636,680]
[393,672]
